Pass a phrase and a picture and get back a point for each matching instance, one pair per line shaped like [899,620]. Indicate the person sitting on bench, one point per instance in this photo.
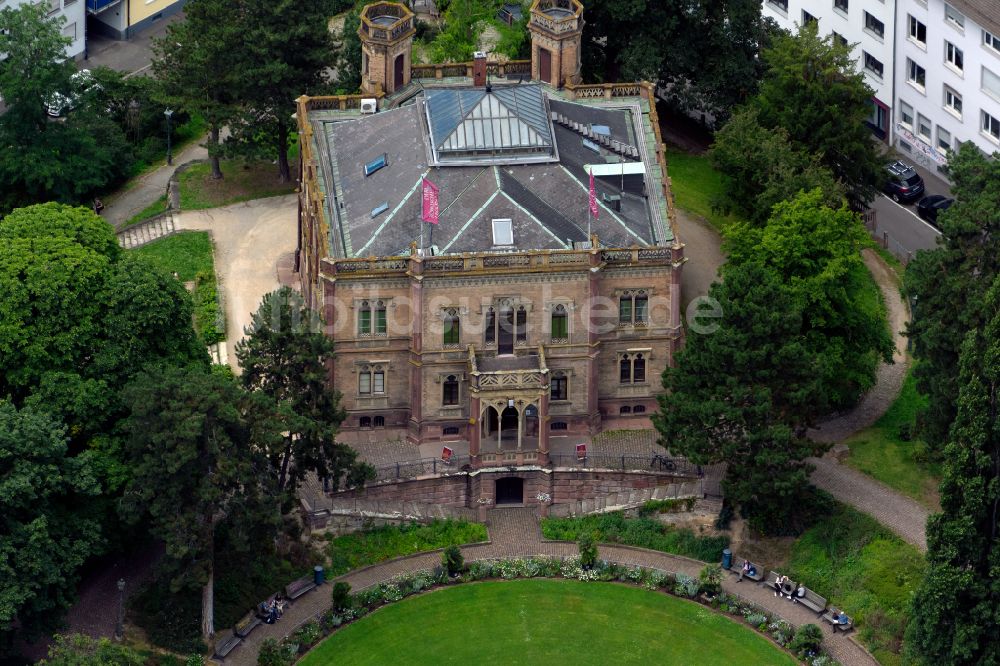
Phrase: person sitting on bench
[778,582]
[799,593]
[745,571]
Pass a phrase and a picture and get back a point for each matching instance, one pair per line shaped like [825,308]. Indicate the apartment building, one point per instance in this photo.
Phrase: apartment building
[74,24]
[123,19]
[948,77]
[868,24]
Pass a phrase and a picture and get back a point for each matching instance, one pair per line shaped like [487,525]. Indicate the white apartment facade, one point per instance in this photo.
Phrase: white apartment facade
[74,26]
[948,77]
[868,24]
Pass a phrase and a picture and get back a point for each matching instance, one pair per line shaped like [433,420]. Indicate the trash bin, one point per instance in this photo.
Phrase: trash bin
[318,574]
[727,558]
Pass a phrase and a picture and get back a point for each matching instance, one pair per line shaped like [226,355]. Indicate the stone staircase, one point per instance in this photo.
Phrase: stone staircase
[630,499]
[147,231]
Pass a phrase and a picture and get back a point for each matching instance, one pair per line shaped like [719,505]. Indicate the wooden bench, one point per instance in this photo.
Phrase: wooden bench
[737,568]
[844,627]
[812,601]
[226,645]
[299,587]
[247,623]
[772,577]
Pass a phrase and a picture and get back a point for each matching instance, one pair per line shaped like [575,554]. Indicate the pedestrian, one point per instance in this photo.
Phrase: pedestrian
[98,206]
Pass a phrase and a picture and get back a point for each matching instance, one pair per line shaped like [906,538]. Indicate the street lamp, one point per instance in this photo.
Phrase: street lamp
[120,624]
[169,113]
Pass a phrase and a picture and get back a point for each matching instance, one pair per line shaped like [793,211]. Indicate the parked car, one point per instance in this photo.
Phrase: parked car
[929,207]
[58,104]
[903,183]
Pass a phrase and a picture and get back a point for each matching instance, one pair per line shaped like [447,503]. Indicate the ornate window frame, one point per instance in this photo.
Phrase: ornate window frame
[636,317]
[372,306]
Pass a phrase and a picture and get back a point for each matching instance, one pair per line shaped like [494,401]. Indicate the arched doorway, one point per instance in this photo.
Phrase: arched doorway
[510,490]
[508,423]
[491,422]
[505,341]
[397,74]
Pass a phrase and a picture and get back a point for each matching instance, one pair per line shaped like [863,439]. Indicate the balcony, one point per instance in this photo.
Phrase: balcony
[98,6]
[386,22]
[557,17]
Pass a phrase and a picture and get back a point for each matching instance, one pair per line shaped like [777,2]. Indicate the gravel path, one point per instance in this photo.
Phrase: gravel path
[516,533]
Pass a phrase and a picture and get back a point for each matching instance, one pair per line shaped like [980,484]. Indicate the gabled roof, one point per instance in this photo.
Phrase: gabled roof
[489,123]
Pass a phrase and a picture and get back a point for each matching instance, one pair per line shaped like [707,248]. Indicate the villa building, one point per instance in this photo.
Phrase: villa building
[521,316]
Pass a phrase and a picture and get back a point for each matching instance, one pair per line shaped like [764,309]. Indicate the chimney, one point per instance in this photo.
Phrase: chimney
[479,69]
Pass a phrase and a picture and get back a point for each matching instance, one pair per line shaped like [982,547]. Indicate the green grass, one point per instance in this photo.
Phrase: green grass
[242,181]
[546,622]
[903,465]
[378,544]
[697,187]
[152,210]
[642,532]
[864,569]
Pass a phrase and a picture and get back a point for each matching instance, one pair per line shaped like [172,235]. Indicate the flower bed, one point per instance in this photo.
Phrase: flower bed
[286,652]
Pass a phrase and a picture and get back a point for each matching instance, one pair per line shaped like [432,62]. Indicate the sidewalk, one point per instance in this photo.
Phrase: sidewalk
[130,56]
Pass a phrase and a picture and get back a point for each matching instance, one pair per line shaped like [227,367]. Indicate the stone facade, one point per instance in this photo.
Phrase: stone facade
[386,33]
[556,28]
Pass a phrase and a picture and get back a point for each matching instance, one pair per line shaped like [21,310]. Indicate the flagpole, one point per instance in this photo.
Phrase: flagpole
[422,181]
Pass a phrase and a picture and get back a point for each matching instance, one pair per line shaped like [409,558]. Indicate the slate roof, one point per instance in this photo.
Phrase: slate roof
[546,200]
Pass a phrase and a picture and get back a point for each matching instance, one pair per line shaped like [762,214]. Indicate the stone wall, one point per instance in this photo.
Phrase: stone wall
[443,490]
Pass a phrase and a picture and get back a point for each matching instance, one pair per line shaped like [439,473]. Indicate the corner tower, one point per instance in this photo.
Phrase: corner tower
[386,34]
[556,36]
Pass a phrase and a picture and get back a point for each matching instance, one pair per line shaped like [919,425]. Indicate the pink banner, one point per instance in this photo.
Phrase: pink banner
[593,197]
[430,196]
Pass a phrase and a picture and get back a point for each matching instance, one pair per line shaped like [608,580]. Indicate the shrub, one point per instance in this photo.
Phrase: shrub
[378,544]
[308,634]
[588,551]
[905,432]
[711,579]
[758,620]
[806,641]
[273,653]
[452,560]
[686,586]
[341,596]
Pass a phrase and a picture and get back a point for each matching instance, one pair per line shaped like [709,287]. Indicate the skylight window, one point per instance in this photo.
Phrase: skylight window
[503,232]
[376,164]
[379,209]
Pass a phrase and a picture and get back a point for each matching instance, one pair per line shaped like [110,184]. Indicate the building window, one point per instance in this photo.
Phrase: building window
[639,409]
[991,41]
[838,39]
[781,5]
[624,409]
[450,430]
[54,6]
[449,391]
[559,386]
[371,380]
[521,326]
[943,140]
[490,327]
[451,327]
[558,425]
[808,18]
[905,115]
[953,102]
[633,308]
[874,26]
[365,422]
[955,17]
[953,55]
[917,31]
[632,369]
[991,126]
[873,65]
[70,31]
[841,5]
[372,319]
[923,128]
[378,422]
[560,324]
[915,75]
[991,84]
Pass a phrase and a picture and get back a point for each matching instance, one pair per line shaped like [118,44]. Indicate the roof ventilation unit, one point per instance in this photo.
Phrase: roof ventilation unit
[369,105]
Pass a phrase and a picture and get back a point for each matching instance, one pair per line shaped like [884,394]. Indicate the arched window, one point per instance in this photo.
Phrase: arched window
[365,422]
[451,327]
[449,391]
[380,321]
[365,319]
[639,369]
[639,409]
[490,327]
[625,369]
[558,425]
[560,324]
[379,421]
[559,386]
[521,325]
[450,430]
[624,409]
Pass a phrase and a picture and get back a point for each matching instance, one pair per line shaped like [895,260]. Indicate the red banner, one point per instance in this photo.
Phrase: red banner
[430,197]
[593,197]
[581,451]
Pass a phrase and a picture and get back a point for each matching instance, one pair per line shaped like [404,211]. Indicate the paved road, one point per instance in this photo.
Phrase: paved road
[129,56]
[907,232]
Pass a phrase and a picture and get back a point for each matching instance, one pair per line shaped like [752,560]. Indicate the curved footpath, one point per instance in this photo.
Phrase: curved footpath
[515,533]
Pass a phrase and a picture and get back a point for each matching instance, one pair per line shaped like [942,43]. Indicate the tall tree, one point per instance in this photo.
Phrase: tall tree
[44,535]
[816,251]
[956,612]
[193,467]
[813,90]
[284,358]
[287,46]
[745,394]
[948,285]
[198,63]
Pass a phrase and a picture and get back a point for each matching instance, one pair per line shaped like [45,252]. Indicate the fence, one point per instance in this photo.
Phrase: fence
[627,463]
[411,469]
[885,240]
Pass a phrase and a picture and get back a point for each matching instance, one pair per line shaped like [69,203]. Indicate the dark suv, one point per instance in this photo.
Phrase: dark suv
[904,183]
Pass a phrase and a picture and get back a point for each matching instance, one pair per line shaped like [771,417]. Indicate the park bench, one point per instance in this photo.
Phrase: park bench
[247,623]
[225,645]
[836,624]
[299,587]
[737,568]
[789,587]
[813,601]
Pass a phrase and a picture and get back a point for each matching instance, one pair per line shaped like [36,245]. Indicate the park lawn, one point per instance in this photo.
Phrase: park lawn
[242,181]
[546,622]
[697,187]
[378,544]
[902,465]
[864,569]
[152,210]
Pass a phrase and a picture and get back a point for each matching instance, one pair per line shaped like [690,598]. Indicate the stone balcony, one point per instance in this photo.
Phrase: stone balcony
[386,22]
[557,17]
